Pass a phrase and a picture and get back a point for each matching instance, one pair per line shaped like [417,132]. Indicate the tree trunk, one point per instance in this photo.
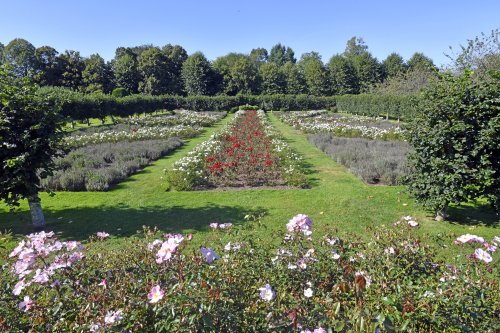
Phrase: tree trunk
[36,213]
[441,214]
[72,124]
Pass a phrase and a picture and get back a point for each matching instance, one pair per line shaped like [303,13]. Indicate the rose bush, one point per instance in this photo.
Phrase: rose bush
[308,282]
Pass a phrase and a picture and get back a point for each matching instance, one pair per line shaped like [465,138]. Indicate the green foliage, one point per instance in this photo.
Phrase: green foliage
[154,68]
[272,79]
[96,75]
[315,74]
[281,54]
[198,75]
[20,55]
[29,136]
[126,72]
[342,76]
[399,107]
[48,68]
[393,65]
[119,92]
[456,136]
[72,66]
[421,62]
[294,79]
[176,55]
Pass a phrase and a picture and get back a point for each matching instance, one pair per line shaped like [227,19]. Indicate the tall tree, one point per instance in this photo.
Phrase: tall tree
[259,56]
[48,70]
[420,61]
[368,71]
[314,73]
[126,70]
[343,79]
[355,47]
[222,66]
[393,65]
[197,74]
[72,66]
[280,54]
[2,48]
[244,77]
[294,79]
[272,79]
[20,55]
[176,55]
[29,136]
[96,75]
[154,67]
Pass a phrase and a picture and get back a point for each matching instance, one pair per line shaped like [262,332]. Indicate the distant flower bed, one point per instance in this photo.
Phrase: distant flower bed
[247,152]
[374,161]
[97,167]
[184,124]
[344,126]
[308,283]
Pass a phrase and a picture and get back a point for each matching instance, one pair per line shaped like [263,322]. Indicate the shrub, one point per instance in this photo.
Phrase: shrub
[119,92]
[374,161]
[161,283]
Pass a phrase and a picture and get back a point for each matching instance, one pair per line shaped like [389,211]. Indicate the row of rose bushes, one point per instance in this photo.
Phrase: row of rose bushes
[183,124]
[247,152]
[308,283]
[318,121]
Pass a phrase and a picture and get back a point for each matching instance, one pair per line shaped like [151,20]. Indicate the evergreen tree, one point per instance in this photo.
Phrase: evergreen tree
[343,79]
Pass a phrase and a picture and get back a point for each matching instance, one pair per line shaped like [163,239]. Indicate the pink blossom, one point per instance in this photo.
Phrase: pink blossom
[189,237]
[155,294]
[300,222]
[19,287]
[102,235]
[468,238]
[103,283]
[483,255]
[413,223]
[214,225]
[113,317]
[18,249]
[41,276]
[26,304]
[155,243]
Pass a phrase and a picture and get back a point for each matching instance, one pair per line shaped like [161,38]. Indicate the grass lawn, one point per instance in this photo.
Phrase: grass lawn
[336,199]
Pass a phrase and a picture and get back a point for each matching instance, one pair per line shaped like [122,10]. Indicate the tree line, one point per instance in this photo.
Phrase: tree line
[152,70]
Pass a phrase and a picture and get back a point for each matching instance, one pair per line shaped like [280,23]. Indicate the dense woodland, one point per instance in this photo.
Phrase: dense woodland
[152,70]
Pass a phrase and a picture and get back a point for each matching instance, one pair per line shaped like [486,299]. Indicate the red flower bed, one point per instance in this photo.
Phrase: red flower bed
[245,156]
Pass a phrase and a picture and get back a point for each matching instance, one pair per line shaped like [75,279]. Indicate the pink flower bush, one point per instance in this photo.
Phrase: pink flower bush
[168,248]
[155,294]
[300,222]
[483,255]
[468,238]
[113,317]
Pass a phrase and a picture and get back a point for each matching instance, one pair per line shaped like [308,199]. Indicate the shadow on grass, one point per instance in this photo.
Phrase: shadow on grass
[474,214]
[123,221]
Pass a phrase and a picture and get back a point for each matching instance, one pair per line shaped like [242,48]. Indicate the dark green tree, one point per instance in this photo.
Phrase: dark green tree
[355,47]
[420,61]
[72,66]
[280,54]
[197,74]
[20,55]
[456,141]
[259,56]
[154,67]
[393,65]
[244,77]
[29,136]
[2,48]
[48,69]
[294,79]
[315,74]
[272,79]
[126,71]
[176,55]
[222,66]
[96,75]
[343,79]
[368,71]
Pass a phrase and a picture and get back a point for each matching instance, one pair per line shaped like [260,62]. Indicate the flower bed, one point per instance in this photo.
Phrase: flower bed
[248,152]
[308,283]
[183,124]
[345,126]
[97,167]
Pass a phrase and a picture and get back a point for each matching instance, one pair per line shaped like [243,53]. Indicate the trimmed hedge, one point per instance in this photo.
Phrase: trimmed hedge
[78,106]
[398,107]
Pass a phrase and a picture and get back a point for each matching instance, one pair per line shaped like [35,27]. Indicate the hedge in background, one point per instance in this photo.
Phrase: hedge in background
[398,107]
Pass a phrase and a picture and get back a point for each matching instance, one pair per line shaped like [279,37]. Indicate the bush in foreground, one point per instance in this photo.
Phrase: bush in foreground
[309,282]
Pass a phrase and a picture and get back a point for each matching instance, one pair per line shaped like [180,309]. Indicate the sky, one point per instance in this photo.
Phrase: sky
[218,27]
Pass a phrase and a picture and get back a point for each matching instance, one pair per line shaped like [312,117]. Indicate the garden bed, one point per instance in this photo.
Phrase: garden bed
[247,153]
[374,161]
[321,121]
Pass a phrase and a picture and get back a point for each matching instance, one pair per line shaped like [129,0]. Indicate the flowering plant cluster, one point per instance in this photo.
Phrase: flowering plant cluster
[248,152]
[307,283]
[183,124]
[345,126]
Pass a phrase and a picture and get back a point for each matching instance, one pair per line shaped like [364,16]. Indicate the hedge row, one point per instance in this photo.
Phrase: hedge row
[78,106]
[400,107]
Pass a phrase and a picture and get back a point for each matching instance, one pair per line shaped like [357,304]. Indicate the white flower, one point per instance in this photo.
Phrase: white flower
[267,293]
[308,292]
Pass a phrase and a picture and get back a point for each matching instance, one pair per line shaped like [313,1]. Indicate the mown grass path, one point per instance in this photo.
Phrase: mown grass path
[336,199]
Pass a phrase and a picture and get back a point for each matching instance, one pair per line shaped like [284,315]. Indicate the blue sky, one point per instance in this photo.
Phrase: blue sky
[219,27]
